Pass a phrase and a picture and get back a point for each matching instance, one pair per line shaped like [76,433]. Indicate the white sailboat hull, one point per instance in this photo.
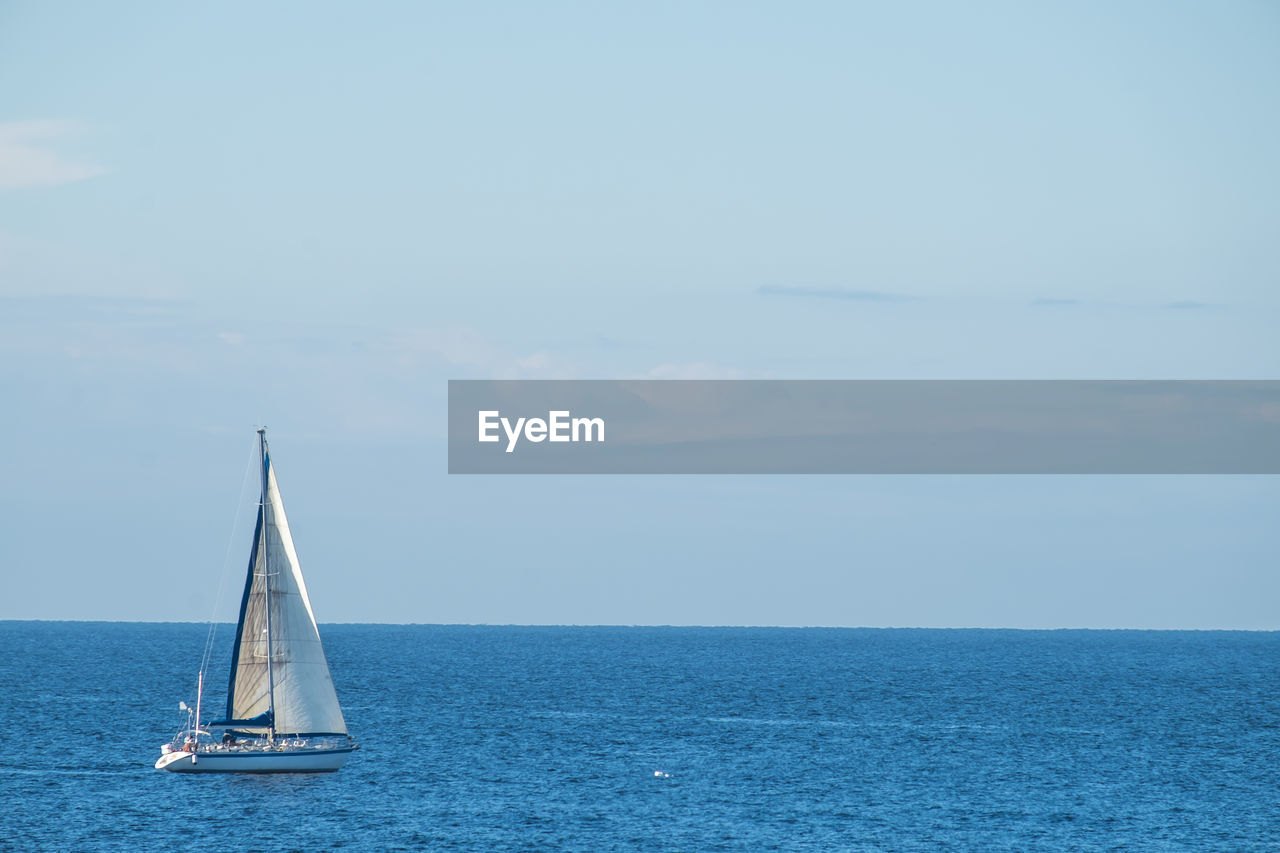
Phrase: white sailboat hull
[266,761]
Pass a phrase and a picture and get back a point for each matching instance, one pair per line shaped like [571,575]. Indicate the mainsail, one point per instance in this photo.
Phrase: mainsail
[291,692]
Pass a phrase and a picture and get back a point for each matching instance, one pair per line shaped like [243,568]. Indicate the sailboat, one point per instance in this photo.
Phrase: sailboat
[282,711]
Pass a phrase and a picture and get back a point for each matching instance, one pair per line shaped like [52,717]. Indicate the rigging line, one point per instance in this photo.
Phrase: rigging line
[226,560]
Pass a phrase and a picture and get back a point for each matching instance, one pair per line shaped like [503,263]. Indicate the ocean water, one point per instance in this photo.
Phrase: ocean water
[530,738]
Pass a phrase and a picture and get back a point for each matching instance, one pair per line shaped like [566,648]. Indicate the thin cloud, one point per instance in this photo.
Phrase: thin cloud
[28,157]
[832,293]
[469,352]
[71,307]
[694,370]
[1189,305]
[1052,302]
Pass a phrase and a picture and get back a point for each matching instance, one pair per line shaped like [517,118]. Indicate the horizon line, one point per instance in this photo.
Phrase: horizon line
[661,625]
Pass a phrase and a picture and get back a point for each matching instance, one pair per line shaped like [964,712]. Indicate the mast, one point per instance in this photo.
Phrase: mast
[199,699]
[266,579]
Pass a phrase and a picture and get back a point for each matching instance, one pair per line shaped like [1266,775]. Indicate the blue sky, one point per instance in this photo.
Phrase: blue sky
[312,216]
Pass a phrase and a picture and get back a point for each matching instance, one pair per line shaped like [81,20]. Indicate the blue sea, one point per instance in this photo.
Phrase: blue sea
[552,738]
